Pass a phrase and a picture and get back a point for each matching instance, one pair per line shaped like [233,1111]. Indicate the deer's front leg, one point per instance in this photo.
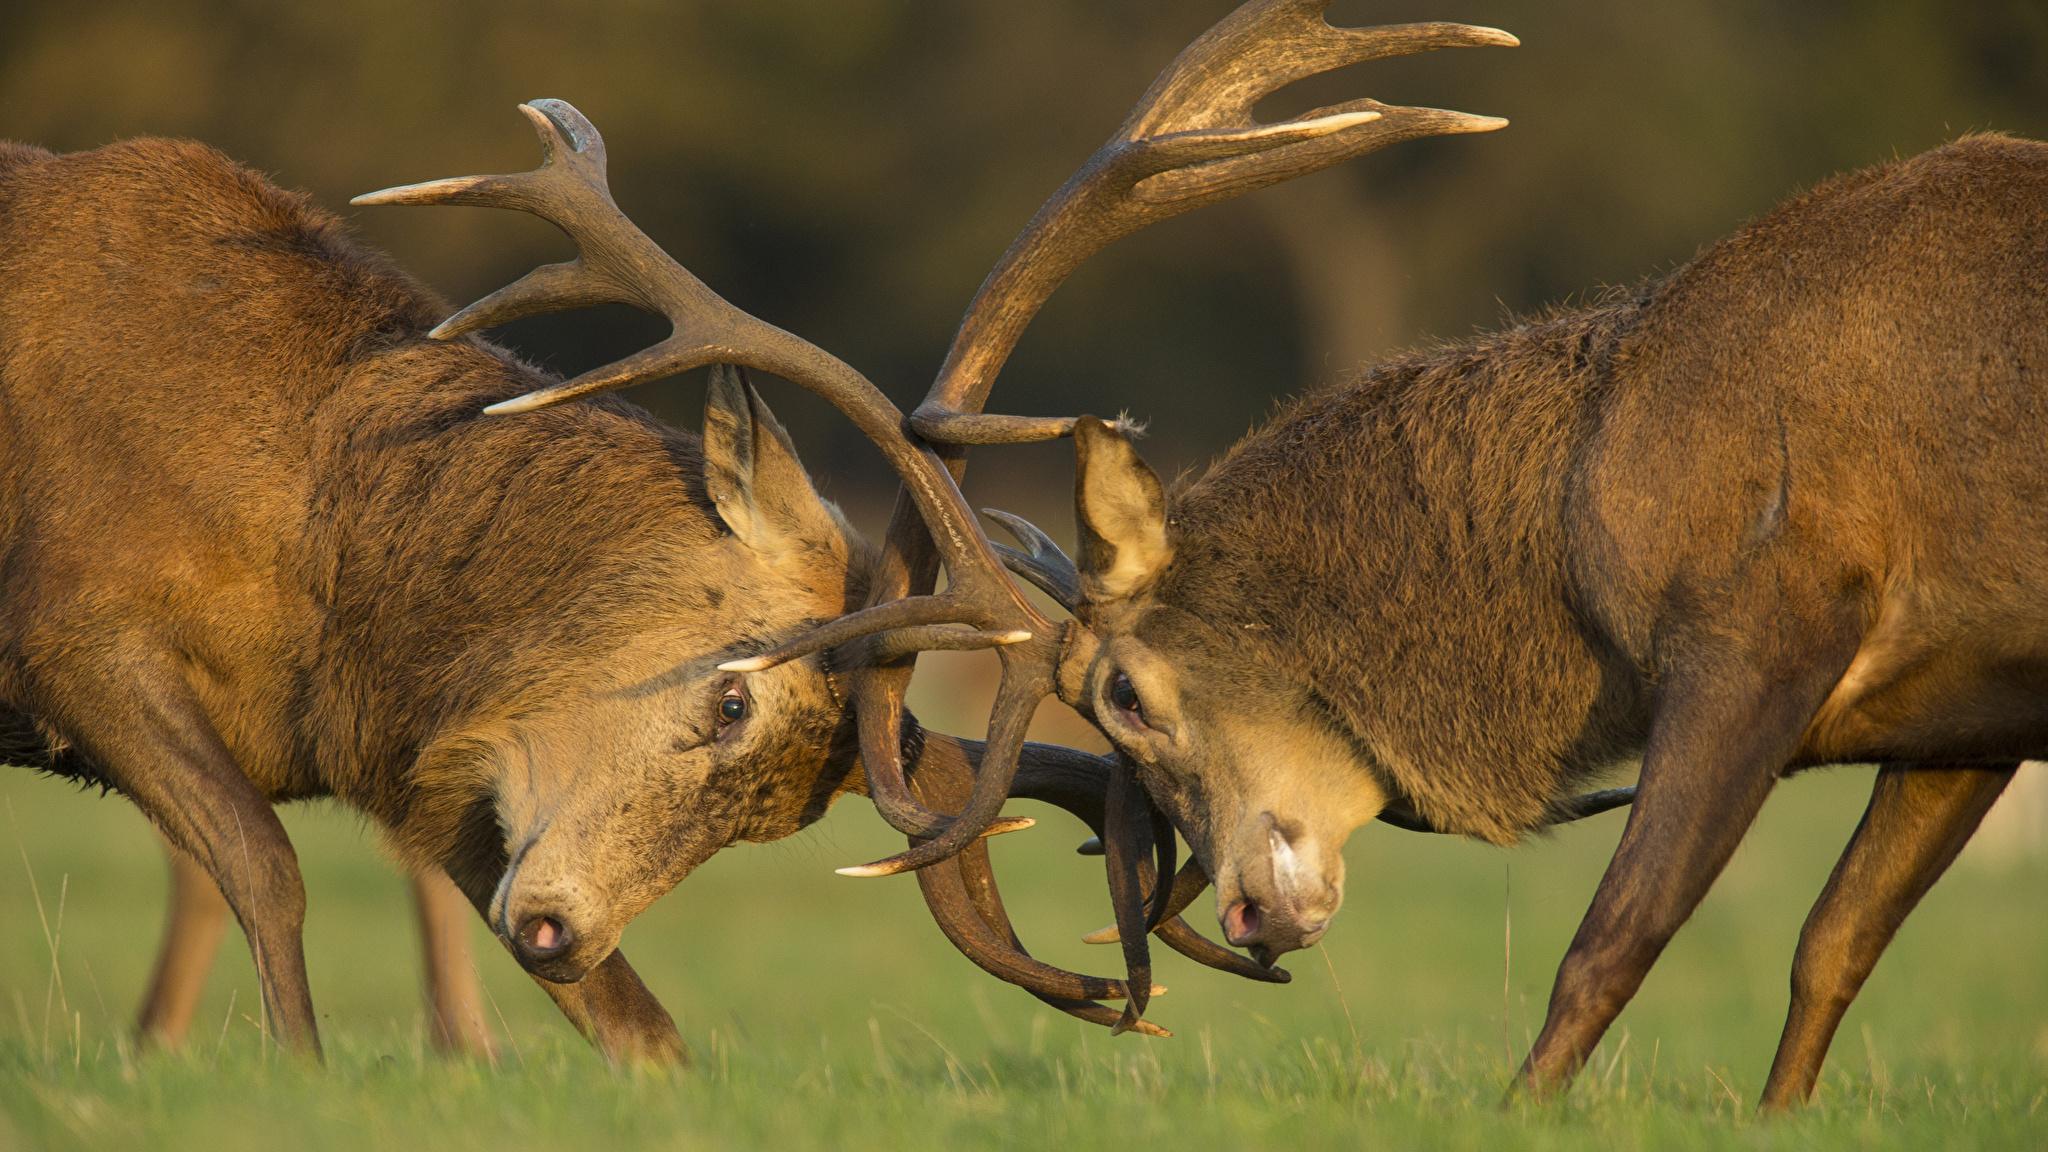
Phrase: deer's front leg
[1919,818]
[617,1014]
[1723,732]
[134,716]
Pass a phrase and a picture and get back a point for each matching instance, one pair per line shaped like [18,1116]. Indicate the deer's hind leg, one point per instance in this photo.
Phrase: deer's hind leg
[193,926]
[1919,818]
[452,986]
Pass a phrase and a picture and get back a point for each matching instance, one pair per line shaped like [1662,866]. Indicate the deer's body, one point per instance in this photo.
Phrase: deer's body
[1780,508]
[259,545]
[1485,557]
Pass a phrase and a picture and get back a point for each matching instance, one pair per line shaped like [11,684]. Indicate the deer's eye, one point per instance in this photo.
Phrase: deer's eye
[731,707]
[1125,696]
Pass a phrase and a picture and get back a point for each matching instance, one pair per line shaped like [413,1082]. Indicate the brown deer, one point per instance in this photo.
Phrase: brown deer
[1766,513]
[1774,510]
[262,548]
[265,542]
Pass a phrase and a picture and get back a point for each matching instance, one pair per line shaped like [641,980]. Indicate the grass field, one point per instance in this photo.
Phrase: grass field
[828,1012]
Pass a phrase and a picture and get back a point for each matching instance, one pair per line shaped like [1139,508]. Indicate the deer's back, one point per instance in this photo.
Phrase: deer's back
[1859,374]
[171,328]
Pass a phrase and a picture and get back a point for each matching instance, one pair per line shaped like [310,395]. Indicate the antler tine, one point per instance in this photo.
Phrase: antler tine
[1190,141]
[964,900]
[1041,562]
[1027,679]
[616,263]
[1125,806]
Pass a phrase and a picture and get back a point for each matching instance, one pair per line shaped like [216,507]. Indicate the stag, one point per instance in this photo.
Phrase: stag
[510,642]
[1740,521]
[1766,513]
[261,548]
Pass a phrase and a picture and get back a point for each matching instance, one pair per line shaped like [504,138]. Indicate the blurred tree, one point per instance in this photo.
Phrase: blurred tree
[849,169]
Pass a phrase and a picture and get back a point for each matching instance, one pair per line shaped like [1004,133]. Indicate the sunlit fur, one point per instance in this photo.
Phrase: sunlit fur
[242,485]
[1477,569]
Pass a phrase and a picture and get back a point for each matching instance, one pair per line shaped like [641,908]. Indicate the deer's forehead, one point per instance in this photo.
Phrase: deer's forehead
[1204,649]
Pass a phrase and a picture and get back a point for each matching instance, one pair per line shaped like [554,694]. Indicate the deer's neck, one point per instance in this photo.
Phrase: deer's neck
[1403,541]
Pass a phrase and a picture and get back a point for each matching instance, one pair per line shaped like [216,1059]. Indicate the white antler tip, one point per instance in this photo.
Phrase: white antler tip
[1107,935]
[1015,637]
[512,407]
[866,870]
[750,664]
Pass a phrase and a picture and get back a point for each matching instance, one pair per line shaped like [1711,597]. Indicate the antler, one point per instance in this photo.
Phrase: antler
[1190,141]
[618,263]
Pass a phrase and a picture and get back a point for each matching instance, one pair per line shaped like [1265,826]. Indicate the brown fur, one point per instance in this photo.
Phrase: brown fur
[254,526]
[1779,508]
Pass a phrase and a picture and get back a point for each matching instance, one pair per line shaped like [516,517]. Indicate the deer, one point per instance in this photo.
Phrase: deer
[1736,522]
[271,535]
[1763,514]
[308,569]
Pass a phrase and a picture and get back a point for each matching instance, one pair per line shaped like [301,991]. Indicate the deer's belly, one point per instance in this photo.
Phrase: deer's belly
[1911,694]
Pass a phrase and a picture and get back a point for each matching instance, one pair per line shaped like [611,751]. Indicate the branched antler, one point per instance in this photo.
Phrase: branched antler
[1190,141]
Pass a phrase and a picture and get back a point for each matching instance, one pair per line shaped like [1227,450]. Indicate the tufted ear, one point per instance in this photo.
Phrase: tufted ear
[1120,512]
[754,478]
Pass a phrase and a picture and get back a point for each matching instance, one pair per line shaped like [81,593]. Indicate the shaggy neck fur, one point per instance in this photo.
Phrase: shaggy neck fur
[1401,539]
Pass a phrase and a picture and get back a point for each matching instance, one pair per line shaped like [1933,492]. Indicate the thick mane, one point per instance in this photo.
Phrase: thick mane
[281,373]
[1401,534]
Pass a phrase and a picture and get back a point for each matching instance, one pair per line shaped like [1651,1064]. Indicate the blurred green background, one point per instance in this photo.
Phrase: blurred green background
[849,169]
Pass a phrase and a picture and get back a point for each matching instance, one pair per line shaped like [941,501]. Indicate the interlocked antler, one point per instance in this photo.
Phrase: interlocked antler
[618,263]
[1191,141]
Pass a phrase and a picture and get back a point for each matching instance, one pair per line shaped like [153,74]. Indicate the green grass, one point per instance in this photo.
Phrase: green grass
[828,1012]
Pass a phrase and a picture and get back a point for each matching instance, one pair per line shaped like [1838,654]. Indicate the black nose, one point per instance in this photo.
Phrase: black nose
[543,937]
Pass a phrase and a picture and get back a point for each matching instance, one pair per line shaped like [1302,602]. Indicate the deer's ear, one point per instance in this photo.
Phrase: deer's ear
[1119,511]
[754,478]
